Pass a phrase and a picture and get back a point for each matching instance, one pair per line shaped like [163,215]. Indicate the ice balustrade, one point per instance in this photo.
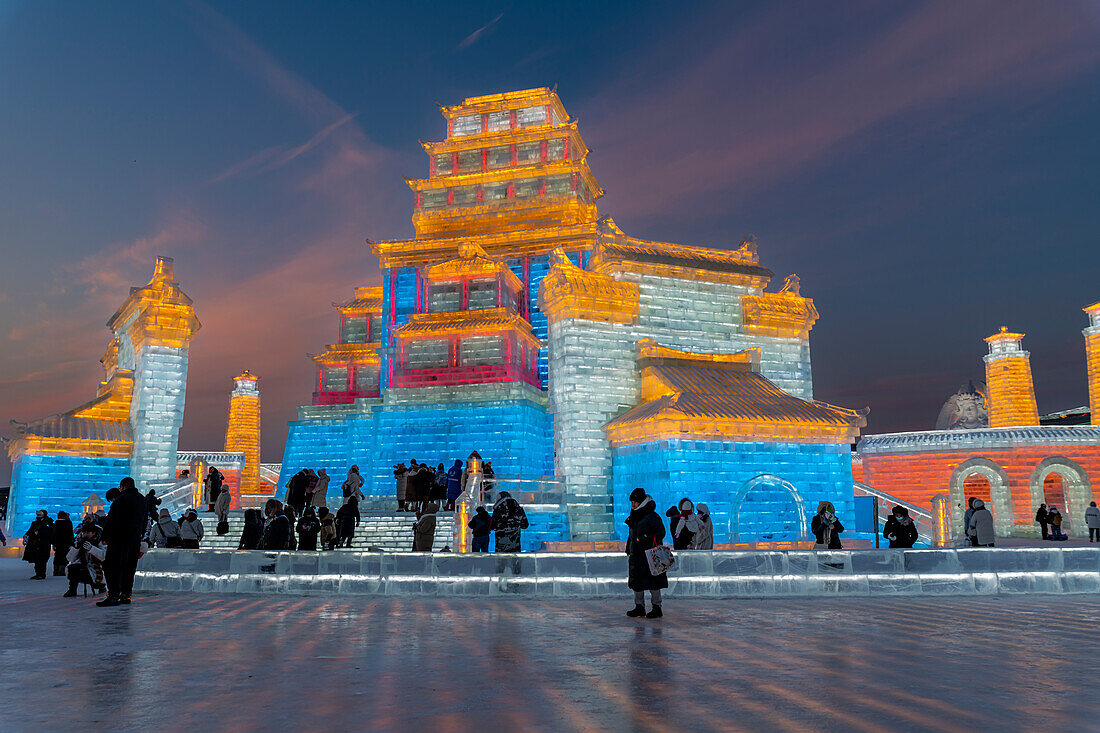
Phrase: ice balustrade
[921,517]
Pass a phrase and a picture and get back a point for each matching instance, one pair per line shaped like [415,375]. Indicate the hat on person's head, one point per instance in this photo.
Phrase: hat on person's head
[637,495]
[165,514]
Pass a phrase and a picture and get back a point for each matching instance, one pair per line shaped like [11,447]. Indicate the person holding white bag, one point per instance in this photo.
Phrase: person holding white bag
[646,530]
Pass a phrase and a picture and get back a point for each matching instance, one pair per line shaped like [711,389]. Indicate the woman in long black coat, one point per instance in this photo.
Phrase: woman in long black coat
[646,530]
[36,543]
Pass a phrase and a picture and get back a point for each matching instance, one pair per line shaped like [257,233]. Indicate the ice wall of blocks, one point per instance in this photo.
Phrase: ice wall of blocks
[594,375]
[507,424]
[53,483]
[156,413]
[714,471]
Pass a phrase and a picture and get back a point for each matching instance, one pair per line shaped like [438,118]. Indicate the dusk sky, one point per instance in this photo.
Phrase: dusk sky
[929,169]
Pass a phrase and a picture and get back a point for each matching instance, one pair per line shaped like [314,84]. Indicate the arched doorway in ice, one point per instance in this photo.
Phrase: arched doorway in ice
[767,508]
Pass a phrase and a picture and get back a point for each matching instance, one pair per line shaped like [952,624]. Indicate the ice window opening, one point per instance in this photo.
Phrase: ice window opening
[499,157]
[482,293]
[334,379]
[481,350]
[468,125]
[354,330]
[500,121]
[444,164]
[366,379]
[444,297]
[429,354]
[531,116]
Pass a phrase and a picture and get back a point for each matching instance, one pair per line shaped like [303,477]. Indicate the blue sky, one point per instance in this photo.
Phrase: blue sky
[927,168]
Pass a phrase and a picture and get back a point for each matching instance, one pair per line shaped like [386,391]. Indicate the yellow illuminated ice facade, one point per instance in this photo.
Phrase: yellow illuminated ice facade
[349,370]
[1092,356]
[242,433]
[131,427]
[1010,400]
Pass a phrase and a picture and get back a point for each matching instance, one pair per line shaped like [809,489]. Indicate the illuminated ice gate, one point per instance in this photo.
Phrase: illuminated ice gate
[514,323]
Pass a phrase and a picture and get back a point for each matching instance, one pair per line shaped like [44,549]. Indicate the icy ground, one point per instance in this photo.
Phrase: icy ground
[254,663]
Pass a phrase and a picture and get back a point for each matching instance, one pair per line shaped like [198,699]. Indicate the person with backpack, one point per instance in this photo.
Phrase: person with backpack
[221,508]
[1055,519]
[645,530]
[213,482]
[166,532]
[309,526]
[191,530]
[328,529]
[508,520]
[62,541]
[347,519]
[350,487]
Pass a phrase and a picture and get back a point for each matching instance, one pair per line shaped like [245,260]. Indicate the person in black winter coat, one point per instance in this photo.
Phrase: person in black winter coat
[253,530]
[347,518]
[122,533]
[62,542]
[292,520]
[480,526]
[309,526]
[151,504]
[37,542]
[826,527]
[296,490]
[645,531]
[899,528]
[277,530]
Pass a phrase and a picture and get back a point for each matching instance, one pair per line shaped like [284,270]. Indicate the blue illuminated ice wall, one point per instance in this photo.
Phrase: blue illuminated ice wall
[54,482]
[716,472]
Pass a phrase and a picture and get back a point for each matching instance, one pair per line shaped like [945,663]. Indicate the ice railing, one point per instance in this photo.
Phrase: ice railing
[533,490]
[177,495]
[920,516]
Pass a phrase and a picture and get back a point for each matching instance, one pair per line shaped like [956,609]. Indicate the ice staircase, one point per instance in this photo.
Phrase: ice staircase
[378,529]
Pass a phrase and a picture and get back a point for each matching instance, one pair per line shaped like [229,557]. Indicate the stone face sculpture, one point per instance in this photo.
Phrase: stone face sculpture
[964,410]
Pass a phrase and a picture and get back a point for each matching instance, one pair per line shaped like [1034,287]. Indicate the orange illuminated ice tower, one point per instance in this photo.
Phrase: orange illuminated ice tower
[1011,397]
[1092,357]
[242,434]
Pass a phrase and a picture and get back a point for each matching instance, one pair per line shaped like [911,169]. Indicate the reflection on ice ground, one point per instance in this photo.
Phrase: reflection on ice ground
[210,662]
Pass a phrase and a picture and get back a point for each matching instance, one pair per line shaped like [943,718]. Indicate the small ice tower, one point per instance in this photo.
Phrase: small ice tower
[1011,396]
[1092,359]
[242,434]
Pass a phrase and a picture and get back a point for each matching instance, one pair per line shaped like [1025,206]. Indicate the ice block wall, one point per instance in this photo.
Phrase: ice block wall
[774,478]
[59,482]
[156,413]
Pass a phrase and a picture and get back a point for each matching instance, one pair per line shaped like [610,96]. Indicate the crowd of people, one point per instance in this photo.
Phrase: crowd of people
[102,552]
